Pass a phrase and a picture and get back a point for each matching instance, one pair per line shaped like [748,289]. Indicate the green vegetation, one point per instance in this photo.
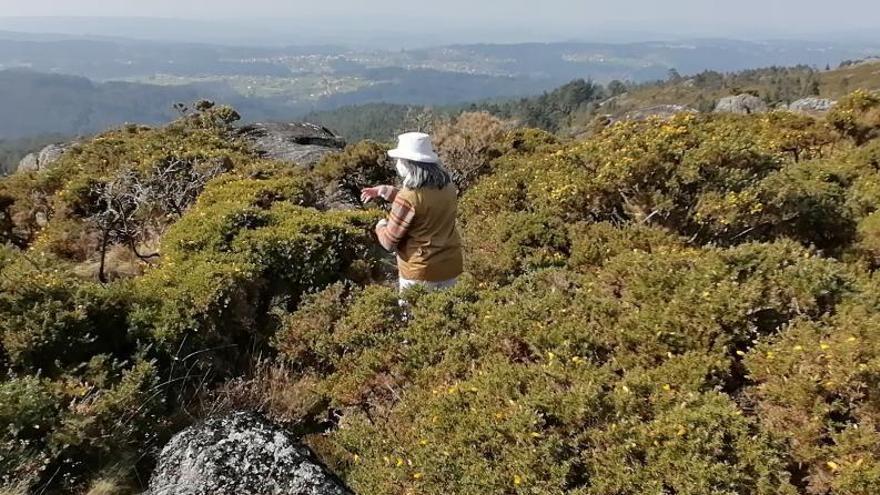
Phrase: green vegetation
[687,306]
[101,372]
[572,109]
[552,111]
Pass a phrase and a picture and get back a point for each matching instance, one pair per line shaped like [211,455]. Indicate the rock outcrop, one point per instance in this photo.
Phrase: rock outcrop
[34,162]
[812,105]
[295,142]
[741,104]
[241,454]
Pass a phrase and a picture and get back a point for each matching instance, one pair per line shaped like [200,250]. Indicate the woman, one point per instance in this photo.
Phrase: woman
[421,226]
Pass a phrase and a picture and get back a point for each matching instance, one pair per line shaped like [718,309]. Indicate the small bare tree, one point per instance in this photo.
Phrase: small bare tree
[117,205]
[418,119]
[175,184]
[129,207]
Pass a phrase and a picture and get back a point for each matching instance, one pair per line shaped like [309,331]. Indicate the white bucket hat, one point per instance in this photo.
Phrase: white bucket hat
[415,146]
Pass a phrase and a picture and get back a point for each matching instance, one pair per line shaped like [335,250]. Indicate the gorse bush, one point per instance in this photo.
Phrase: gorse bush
[604,382]
[678,306]
[107,366]
[64,192]
[857,116]
[360,165]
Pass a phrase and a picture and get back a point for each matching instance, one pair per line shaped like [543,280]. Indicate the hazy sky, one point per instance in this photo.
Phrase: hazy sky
[562,18]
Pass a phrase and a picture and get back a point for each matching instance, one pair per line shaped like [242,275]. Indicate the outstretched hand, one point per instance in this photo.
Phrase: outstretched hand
[369,194]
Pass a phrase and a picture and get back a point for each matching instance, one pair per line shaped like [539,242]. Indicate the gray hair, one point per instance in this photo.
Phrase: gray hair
[425,175]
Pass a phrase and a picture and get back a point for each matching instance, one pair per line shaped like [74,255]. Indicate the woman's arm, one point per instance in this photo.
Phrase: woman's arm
[388,193]
[394,230]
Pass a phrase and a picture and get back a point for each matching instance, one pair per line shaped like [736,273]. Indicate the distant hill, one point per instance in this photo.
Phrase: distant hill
[105,58]
[35,103]
[137,80]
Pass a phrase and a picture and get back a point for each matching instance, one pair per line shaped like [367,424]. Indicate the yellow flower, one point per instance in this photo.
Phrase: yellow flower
[667,387]
[399,462]
[417,476]
[517,480]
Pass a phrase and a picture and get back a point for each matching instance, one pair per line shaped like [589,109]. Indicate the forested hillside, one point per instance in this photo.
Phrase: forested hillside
[687,306]
[573,107]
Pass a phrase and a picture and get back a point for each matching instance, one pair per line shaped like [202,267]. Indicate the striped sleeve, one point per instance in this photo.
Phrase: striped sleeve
[399,221]
[388,193]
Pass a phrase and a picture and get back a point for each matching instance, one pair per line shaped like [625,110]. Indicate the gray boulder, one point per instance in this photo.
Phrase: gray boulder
[298,143]
[741,104]
[42,159]
[240,454]
[29,163]
[812,105]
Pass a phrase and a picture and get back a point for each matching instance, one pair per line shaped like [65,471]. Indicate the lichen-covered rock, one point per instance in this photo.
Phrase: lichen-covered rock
[299,143]
[34,162]
[29,163]
[743,104]
[812,105]
[240,454]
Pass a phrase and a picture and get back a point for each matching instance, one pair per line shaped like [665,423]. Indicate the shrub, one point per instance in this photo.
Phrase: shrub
[816,389]
[805,201]
[701,445]
[50,321]
[61,193]
[802,136]
[247,244]
[869,238]
[29,407]
[90,356]
[504,246]
[482,388]
[619,375]
[468,144]
[719,179]
[360,165]
[857,116]
[592,244]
